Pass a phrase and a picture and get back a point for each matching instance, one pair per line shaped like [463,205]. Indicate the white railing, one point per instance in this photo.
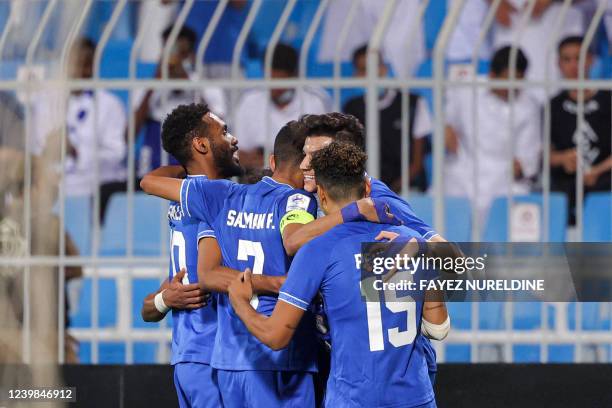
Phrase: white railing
[126,268]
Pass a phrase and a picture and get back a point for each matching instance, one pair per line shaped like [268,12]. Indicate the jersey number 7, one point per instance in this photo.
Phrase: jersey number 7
[404,304]
[254,249]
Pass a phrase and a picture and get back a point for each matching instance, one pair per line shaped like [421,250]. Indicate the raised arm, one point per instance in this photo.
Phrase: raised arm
[164,182]
[297,234]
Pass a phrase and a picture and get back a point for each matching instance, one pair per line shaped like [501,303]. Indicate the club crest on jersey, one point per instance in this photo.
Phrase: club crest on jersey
[298,202]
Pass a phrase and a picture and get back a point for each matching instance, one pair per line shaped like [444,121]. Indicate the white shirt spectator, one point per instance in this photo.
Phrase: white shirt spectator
[404,58]
[104,138]
[465,35]
[258,119]
[480,169]
[159,107]
[535,38]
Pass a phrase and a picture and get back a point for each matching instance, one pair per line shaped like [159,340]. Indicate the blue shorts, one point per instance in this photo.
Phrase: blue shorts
[266,389]
[196,386]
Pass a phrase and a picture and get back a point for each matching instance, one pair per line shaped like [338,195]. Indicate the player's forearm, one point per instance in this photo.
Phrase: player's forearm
[218,279]
[164,182]
[259,325]
[435,312]
[306,232]
[267,285]
[149,312]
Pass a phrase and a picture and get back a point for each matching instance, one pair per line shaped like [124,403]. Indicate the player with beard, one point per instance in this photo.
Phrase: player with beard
[252,224]
[200,141]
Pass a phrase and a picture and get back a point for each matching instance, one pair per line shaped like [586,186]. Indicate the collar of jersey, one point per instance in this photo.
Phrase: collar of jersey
[269,180]
[197,175]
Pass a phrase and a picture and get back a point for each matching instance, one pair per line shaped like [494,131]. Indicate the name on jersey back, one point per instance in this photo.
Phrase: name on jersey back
[249,220]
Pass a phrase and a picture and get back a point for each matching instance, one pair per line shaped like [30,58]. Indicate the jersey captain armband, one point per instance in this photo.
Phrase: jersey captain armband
[295,217]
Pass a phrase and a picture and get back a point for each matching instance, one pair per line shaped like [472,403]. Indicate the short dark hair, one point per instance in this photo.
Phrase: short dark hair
[185,32]
[501,61]
[339,126]
[361,51]
[289,144]
[571,40]
[181,126]
[285,58]
[340,169]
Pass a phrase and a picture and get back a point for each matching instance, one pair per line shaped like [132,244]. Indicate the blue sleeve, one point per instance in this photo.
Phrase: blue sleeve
[305,276]
[205,231]
[402,210]
[202,199]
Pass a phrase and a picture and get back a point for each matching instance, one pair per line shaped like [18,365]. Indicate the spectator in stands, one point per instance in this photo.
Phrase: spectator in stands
[87,139]
[595,133]
[262,113]
[479,144]
[152,106]
[533,40]
[218,57]
[155,105]
[403,57]
[390,110]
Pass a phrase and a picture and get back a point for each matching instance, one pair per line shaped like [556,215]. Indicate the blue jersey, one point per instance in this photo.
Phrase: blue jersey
[193,331]
[248,230]
[376,360]
[401,209]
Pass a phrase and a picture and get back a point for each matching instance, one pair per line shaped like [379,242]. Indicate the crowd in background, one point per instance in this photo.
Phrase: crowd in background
[493,140]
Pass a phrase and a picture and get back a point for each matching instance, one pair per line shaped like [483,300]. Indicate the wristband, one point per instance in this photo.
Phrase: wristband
[159,303]
[351,213]
[383,211]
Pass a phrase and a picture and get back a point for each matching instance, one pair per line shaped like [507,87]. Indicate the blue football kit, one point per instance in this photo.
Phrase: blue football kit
[376,358]
[193,331]
[248,224]
[403,211]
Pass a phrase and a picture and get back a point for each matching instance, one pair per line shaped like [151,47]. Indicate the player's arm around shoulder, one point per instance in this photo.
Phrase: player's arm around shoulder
[214,277]
[297,234]
[164,182]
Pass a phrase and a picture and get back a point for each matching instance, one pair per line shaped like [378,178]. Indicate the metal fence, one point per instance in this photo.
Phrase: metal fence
[58,24]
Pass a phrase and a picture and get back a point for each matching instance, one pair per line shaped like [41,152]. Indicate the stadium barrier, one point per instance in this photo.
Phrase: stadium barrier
[124,268]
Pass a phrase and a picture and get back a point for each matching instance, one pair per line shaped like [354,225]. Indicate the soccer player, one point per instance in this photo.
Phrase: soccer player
[258,238]
[369,368]
[321,131]
[203,146]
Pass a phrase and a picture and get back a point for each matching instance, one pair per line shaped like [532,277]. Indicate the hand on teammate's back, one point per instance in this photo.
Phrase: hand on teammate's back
[184,296]
[241,288]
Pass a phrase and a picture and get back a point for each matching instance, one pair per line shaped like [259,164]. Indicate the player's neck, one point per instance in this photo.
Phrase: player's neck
[333,206]
[200,169]
[284,178]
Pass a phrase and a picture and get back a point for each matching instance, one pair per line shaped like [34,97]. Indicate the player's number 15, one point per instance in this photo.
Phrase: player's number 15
[395,304]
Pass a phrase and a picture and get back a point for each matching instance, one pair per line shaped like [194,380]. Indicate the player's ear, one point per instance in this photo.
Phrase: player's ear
[368,187]
[201,144]
[322,197]
[272,163]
